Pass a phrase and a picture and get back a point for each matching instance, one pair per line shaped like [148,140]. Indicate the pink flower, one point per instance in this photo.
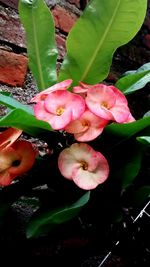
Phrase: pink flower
[82,164]
[16,156]
[60,108]
[87,127]
[59,86]
[130,118]
[108,103]
[82,89]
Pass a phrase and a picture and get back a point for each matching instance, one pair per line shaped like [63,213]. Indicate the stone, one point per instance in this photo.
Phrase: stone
[13,68]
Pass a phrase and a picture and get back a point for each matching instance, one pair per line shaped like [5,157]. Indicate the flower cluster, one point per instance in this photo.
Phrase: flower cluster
[16,156]
[83,112]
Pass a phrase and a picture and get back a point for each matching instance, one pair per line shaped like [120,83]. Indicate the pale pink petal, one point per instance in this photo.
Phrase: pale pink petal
[60,122]
[98,110]
[65,100]
[76,126]
[41,113]
[77,105]
[57,99]
[8,137]
[120,113]
[84,179]
[70,159]
[82,164]
[59,86]
[130,119]
[73,156]
[88,135]
[67,162]
[102,94]
[100,99]
[84,152]
[120,97]
[89,180]
[87,127]
[56,122]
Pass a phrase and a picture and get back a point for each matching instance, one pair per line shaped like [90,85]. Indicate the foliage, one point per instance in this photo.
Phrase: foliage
[103,27]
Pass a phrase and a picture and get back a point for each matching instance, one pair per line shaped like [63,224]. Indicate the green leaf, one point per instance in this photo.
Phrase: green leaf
[147,114]
[13,104]
[141,195]
[135,80]
[27,122]
[126,130]
[129,169]
[39,26]
[144,140]
[43,223]
[103,27]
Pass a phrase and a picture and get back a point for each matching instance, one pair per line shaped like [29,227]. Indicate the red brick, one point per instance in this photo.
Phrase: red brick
[10,28]
[64,20]
[13,68]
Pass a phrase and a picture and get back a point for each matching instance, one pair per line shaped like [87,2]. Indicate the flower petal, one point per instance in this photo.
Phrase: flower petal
[60,122]
[59,86]
[27,157]
[41,113]
[8,137]
[75,126]
[67,162]
[5,178]
[57,99]
[7,157]
[120,113]
[102,94]
[82,164]
[65,100]
[90,180]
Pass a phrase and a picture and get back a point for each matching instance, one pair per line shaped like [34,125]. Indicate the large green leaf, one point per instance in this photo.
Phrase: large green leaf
[141,195]
[144,140]
[130,168]
[25,121]
[44,222]
[135,80]
[126,130]
[103,27]
[40,31]
[11,103]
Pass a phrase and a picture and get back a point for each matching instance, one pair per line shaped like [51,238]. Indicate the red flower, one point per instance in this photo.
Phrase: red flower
[16,156]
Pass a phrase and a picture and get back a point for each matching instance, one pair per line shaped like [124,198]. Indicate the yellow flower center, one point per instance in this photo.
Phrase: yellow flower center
[104,104]
[60,111]
[85,123]
[84,165]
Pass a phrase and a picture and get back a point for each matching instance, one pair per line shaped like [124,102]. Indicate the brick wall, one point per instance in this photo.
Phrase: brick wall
[13,57]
